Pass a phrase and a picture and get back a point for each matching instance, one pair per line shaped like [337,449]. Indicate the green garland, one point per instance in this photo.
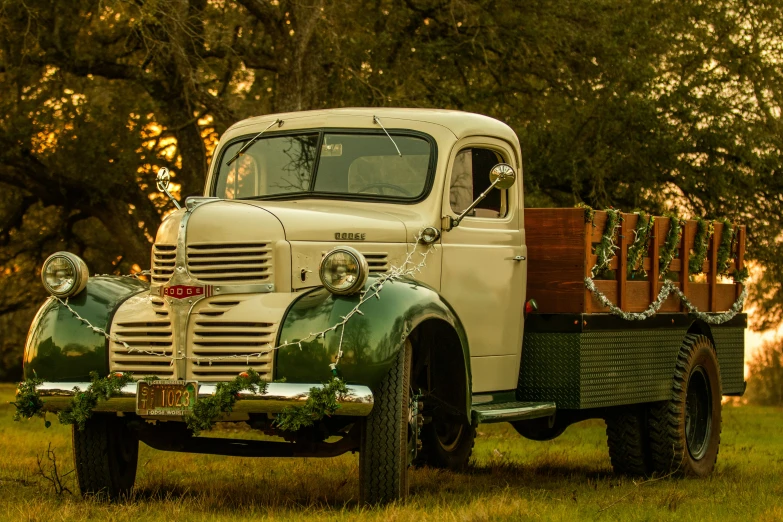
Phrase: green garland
[589,212]
[724,250]
[206,411]
[606,248]
[640,245]
[83,403]
[28,403]
[322,401]
[670,245]
[704,230]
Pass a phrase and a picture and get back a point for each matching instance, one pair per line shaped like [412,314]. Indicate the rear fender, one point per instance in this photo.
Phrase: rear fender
[370,341]
[62,348]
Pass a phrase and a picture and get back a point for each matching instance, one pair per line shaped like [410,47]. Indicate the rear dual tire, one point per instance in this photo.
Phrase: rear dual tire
[681,435]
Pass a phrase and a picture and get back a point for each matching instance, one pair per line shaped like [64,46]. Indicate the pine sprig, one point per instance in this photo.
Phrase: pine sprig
[724,250]
[704,230]
[323,401]
[640,245]
[206,411]
[670,245]
[589,212]
[28,403]
[84,402]
[606,248]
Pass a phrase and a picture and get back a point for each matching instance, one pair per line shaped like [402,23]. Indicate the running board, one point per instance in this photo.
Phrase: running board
[512,411]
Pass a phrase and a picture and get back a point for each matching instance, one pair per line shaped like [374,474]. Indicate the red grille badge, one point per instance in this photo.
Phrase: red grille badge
[185,291]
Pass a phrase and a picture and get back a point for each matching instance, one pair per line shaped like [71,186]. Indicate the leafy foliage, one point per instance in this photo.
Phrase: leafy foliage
[322,401]
[28,403]
[701,241]
[640,245]
[724,249]
[670,245]
[84,402]
[207,410]
[765,380]
[606,248]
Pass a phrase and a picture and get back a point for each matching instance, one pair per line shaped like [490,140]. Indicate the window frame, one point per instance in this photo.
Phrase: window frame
[322,131]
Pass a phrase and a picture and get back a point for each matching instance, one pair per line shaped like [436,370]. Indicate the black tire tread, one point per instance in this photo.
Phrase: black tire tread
[667,446]
[627,440]
[94,455]
[382,466]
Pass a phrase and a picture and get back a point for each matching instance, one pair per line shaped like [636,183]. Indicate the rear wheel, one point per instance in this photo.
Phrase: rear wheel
[685,431]
[105,454]
[629,447]
[389,437]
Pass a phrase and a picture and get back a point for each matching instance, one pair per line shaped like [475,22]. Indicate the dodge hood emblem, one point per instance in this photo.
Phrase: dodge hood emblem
[185,291]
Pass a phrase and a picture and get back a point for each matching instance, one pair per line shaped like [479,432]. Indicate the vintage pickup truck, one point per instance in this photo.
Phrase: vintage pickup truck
[462,307]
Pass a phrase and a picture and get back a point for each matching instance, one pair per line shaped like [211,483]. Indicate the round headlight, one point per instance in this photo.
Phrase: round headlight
[344,271]
[64,274]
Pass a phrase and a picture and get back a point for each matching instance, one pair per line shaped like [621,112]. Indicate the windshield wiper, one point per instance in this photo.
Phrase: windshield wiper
[376,119]
[254,139]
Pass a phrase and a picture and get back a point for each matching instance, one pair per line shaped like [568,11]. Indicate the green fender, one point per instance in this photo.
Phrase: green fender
[370,340]
[60,347]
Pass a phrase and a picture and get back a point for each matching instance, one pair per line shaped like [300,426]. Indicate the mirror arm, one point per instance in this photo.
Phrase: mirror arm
[456,221]
[173,200]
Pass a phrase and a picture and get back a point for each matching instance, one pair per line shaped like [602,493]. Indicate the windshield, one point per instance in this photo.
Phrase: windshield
[364,165]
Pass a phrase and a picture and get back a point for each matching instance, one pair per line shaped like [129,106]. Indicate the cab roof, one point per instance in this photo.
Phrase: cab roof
[461,124]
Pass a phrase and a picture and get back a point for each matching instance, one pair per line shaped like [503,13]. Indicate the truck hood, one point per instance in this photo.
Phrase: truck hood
[308,220]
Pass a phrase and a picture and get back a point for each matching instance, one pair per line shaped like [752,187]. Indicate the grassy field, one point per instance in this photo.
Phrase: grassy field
[511,479]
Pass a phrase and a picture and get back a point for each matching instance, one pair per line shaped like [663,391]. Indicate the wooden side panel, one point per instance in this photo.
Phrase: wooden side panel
[561,252]
[556,259]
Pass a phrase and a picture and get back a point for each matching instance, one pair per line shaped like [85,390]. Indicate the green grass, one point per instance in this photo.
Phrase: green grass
[511,479]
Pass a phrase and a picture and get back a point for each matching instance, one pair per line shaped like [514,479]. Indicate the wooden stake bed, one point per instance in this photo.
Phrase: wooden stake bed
[561,253]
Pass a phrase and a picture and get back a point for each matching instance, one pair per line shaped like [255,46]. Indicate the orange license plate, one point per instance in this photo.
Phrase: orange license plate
[166,398]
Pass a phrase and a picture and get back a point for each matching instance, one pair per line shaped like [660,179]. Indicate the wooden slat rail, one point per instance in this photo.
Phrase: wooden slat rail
[561,252]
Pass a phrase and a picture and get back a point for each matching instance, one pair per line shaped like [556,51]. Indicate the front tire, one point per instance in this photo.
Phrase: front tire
[685,431]
[105,453]
[387,437]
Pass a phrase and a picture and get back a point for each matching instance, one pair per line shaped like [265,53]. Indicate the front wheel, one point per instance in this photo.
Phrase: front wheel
[685,431]
[105,454]
[388,437]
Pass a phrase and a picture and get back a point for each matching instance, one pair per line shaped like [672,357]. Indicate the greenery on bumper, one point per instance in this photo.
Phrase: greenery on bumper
[323,401]
[206,411]
[28,403]
[84,402]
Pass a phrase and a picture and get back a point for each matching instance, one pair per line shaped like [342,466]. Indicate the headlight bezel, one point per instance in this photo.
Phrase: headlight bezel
[363,271]
[80,274]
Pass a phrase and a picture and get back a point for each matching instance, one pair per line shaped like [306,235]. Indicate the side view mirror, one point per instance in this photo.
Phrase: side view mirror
[163,180]
[502,176]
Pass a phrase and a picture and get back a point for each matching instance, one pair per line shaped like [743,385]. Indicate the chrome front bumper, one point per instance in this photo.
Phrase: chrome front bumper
[279,395]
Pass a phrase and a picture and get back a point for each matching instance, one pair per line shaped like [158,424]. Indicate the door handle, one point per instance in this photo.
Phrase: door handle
[516,258]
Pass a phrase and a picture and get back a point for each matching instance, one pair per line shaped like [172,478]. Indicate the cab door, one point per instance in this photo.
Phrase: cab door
[484,270]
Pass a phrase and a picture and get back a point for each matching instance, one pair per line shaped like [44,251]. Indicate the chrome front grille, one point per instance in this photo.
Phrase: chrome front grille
[163,259]
[151,333]
[222,347]
[230,263]
[378,262]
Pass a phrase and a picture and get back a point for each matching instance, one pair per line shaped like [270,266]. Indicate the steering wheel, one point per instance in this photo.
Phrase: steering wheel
[381,186]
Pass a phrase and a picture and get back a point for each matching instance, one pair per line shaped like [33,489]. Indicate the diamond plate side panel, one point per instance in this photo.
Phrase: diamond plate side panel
[550,369]
[627,366]
[730,346]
